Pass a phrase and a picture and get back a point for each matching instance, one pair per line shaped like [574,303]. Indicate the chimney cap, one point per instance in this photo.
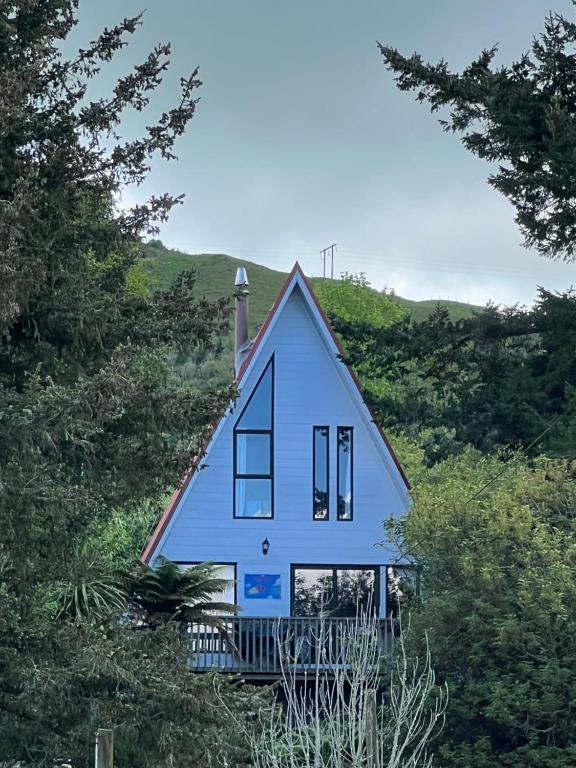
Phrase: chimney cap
[241,277]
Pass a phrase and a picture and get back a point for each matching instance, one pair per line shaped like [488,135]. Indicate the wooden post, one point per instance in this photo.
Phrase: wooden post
[372,745]
[104,748]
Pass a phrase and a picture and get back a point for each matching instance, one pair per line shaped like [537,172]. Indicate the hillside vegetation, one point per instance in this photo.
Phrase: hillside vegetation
[216,272]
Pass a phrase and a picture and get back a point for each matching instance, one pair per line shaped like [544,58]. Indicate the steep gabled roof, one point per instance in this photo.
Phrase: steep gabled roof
[294,279]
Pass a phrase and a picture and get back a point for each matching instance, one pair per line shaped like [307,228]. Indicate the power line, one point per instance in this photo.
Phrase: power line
[391,261]
[396,263]
[523,452]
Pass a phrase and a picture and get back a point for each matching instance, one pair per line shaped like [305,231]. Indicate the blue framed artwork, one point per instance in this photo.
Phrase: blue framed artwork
[262,586]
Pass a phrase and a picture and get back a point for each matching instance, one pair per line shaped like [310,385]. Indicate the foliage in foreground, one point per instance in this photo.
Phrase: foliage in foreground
[356,706]
[136,682]
[501,378]
[143,596]
[352,298]
[91,421]
[499,604]
[169,593]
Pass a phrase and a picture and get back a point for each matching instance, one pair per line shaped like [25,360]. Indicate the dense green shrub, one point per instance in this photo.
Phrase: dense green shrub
[499,604]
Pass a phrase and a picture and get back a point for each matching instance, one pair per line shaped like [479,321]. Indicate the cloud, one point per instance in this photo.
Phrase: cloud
[302,139]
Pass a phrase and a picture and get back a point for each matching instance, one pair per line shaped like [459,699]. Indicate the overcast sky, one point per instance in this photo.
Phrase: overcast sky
[301,139]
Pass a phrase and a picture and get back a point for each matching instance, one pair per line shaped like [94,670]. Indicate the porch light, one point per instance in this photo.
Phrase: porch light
[265,546]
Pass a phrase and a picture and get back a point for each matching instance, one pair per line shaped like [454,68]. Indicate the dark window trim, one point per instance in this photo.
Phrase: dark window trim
[235,431]
[251,431]
[214,562]
[327,518]
[270,361]
[338,517]
[339,567]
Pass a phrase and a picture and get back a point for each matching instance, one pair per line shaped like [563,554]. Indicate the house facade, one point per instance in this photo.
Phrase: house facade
[291,492]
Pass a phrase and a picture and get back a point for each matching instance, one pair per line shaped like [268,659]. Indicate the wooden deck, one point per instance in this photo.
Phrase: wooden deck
[259,646]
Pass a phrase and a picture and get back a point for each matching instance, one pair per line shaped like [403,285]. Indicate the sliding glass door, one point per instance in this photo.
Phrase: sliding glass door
[335,590]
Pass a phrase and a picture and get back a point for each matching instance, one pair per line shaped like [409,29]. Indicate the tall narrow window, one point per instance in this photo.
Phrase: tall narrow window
[253,451]
[344,473]
[320,464]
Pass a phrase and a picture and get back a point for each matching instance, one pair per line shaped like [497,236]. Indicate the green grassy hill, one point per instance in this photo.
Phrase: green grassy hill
[216,274]
[421,309]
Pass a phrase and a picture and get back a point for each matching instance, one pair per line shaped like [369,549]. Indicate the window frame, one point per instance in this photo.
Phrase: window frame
[339,518]
[314,429]
[335,567]
[270,432]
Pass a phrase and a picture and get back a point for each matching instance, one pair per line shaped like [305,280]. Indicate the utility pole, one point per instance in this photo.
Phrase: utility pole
[323,253]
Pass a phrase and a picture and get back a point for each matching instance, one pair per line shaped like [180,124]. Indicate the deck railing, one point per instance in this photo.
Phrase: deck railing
[259,646]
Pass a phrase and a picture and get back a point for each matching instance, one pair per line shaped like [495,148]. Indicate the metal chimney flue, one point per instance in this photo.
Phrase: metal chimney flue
[241,338]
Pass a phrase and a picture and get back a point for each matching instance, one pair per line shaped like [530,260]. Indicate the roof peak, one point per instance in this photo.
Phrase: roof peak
[296,270]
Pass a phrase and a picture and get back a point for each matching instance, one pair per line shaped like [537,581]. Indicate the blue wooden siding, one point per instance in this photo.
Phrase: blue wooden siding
[309,390]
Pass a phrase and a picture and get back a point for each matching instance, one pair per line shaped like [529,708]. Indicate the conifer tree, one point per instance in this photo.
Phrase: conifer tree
[522,118]
[90,421]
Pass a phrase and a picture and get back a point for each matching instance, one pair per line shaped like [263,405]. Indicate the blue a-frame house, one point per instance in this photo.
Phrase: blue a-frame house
[291,492]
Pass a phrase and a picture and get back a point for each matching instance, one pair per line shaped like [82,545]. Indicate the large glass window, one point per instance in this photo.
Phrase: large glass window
[334,590]
[253,451]
[224,571]
[205,638]
[320,504]
[344,473]
[312,591]
[228,594]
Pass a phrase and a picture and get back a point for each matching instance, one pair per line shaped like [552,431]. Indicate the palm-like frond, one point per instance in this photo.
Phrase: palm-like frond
[93,600]
[170,593]
[93,591]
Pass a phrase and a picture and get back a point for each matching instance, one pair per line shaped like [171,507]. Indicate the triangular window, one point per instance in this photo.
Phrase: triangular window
[257,413]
